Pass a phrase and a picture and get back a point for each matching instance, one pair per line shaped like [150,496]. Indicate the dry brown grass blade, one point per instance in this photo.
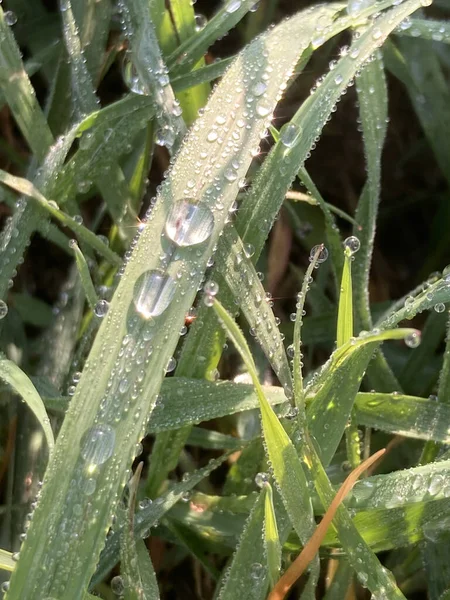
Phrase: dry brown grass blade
[297,568]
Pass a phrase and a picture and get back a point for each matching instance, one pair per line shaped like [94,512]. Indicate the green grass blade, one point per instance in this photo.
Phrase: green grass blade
[247,576]
[6,561]
[345,311]
[139,579]
[271,538]
[85,276]
[426,29]
[201,75]
[20,383]
[281,453]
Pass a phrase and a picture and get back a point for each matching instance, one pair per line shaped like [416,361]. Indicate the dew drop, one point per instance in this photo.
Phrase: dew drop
[97,444]
[262,109]
[171,365]
[200,22]
[323,255]
[233,6]
[153,292]
[211,288]
[412,340]
[3,309]
[189,224]
[290,134]
[10,17]
[439,307]
[256,571]
[261,479]
[352,244]
[117,585]
[259,88]
[131,77]
[101,308]
[249,250]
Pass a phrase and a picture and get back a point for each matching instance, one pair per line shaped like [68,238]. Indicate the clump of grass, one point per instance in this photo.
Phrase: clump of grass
[123,368]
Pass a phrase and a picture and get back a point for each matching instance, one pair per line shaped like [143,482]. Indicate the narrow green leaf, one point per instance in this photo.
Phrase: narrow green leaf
[345,312]
[426,29]
[271,539]
[19,382]
[247,576]
[6,561]
[85,276]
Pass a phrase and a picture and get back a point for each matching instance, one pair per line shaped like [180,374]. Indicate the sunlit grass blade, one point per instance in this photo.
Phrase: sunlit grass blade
[139,579]
[345,311]
[285,463]
[6,561]
[271,538]
[247,575]
[21,385]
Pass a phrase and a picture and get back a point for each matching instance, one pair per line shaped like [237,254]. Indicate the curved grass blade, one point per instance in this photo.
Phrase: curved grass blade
[136,567]
[85,276]
[247,575]
[345,311]
[19,382]
[281,453]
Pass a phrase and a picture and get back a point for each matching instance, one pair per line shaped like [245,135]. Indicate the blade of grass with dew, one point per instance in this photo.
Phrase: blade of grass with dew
[137,571]
[206,337]
[372,98]
[345,312]
[285,463]
[151,514]
[204,74]
[149,76]
[411,376]
[25,187]
[243,283]
[21,384]
[183,26]
[247,575]
[240,477]
[426,29]
[191,50]
[214,440]
[85,276]
[272,542]
[336,387]
[311,199]
[97,400]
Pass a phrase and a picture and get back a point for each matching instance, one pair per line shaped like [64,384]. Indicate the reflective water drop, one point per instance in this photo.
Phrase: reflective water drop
[439,307]
[153,293]
[97,444]
[117,585]
[200,22]
[10,17]
[101,308]
[262,109]
[172,363]
[233,6]
[249,250]
[352,244]
[89,486]
[290,134]
[211,288]
[261,479]
[354,6]
[3,309]
[131,77]
[189,224]
[257,571]
[323,255]
[412,340]
[259,88]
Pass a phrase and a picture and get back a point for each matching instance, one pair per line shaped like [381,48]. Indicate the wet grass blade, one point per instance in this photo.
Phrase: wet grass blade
[271,538]
[345,311]
[21,384]
[247,575]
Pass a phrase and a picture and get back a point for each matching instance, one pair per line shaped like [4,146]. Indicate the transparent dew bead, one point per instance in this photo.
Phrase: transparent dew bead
[211,288]
[131,77]
[101,308]
[153,292]
[189,224]
[290,350]
[290,134]
[249,250]
[233,6]
[200,22]
[97,444]
[5,587]
[117,585]
[3,309]
[10,17]
[439,307]
[172,363]
[412,340]
[352,244]
[323,254]
[261,479]
[257,571]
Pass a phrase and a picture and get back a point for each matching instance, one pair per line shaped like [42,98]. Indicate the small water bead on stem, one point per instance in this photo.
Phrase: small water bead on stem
[131,76]
[290,134]
[188,223]
[211,290]
[352,244]
[261,479]
[233,6]
[323,254]
[153,292]
[171,365]
[439,307]
[101,308]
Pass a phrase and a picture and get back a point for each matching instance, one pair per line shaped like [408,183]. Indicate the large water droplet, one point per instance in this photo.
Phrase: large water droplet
[352,244]
[323,253]
[412,340]
[153,292]
[233,6]
[189,224]
[97,444]
[131,77]
[290,134]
